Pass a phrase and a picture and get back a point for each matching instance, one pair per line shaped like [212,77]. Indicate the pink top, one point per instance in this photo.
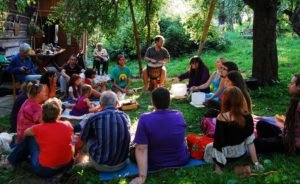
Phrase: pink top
[29,115]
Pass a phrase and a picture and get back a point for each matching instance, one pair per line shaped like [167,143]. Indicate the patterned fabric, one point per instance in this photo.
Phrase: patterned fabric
[235,151]
[107,136]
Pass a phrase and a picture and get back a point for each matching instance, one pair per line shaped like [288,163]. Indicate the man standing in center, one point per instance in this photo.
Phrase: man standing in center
[106,134]
[156,56]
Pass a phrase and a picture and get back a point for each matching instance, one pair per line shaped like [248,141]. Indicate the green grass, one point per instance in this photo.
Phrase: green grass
[266,101]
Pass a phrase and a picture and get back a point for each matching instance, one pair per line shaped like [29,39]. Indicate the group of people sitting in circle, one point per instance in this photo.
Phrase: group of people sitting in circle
[160,135]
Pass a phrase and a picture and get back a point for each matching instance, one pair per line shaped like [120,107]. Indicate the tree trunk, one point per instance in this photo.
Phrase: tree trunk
[148,21]
[222,15]
[265,61]
[206,27]
[136,36]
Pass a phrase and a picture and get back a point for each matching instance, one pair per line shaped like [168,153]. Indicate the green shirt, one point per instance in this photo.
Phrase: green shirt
[2,59]
[121,75]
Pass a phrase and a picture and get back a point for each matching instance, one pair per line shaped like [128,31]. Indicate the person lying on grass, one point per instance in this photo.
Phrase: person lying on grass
[234,132]
[289,140]
[84,105]
[48,144]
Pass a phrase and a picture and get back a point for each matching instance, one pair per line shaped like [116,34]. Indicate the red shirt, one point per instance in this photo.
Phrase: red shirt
[88,81]
[55,143]
[29,115]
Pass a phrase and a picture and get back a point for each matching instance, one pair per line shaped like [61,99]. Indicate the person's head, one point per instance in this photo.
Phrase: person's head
[291,121]
[48,78]
[294,86]
[108,98]
[196,63]
[161,98]
[37,91]
[219,63]
[227,67]
[51,110]
[159,41]
[99,46]
[90,73]
[24,50]
[121,60]
[234,103]
[86,90]
[72,60]
[75,80]
[234,78]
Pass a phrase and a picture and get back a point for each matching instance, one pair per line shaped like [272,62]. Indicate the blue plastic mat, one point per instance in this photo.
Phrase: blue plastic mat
[132,170]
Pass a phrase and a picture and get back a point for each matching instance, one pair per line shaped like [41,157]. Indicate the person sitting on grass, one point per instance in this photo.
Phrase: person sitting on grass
[48,145]
[121,76]
[49,80]
[107,136]
[31,110]
[198,74]
[83,105]
[289,140]
[214,79]
[21,98]
[160,137]
[74,88]
[90,75]
[233,134]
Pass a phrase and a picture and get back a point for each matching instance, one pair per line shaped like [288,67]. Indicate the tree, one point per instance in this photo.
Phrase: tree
[265,61]
[136,35]
[292,9]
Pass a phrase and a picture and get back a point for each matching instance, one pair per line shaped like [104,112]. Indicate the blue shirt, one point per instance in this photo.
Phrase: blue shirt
[107,136]
[16,64]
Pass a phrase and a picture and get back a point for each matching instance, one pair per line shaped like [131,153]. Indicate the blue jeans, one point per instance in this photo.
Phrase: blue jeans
[32,77]
[29,147]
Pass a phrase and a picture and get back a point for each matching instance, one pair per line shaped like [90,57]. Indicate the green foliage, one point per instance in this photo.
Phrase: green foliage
[177,40]
[20,5]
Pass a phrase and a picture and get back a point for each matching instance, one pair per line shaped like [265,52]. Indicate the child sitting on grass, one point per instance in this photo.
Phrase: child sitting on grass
[74,88]
[83,105]
[90,75]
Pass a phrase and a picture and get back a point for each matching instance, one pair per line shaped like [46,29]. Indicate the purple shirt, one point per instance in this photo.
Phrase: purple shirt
[164,133]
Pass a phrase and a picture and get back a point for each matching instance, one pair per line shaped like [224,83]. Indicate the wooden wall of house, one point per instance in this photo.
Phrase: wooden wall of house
[71,44]
[15,30]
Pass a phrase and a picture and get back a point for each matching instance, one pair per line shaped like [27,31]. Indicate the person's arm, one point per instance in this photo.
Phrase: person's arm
[219,91]
[127,84]
[28,132]
[118,87]
[184,75]
[205,85]
[64,74]
[164,61]
[149,60]
[71,93]
[141,154]
[14,68]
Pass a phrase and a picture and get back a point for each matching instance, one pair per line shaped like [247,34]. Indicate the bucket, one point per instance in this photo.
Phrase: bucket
[198,98]
[178,89]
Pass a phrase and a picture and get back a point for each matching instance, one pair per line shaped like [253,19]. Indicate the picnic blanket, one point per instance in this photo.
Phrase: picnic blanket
[66,114]
[132,170]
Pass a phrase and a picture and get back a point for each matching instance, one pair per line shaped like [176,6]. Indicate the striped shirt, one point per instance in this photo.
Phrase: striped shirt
[107,136]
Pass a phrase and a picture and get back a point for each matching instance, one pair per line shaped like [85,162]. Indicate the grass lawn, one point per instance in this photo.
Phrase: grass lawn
[266,101]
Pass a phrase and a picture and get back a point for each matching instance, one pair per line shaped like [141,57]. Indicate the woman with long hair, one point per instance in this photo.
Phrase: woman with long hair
[234,78]
[198,74]
[49,79]
[234,132]
[288,140]
[214,79]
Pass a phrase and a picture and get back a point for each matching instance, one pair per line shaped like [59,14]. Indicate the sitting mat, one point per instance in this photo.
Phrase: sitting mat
[131,170]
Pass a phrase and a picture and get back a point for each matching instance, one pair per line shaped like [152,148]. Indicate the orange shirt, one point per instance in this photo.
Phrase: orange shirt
[55,143]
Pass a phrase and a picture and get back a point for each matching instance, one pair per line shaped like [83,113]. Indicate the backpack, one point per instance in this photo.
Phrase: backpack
[196,144]
[208,126]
